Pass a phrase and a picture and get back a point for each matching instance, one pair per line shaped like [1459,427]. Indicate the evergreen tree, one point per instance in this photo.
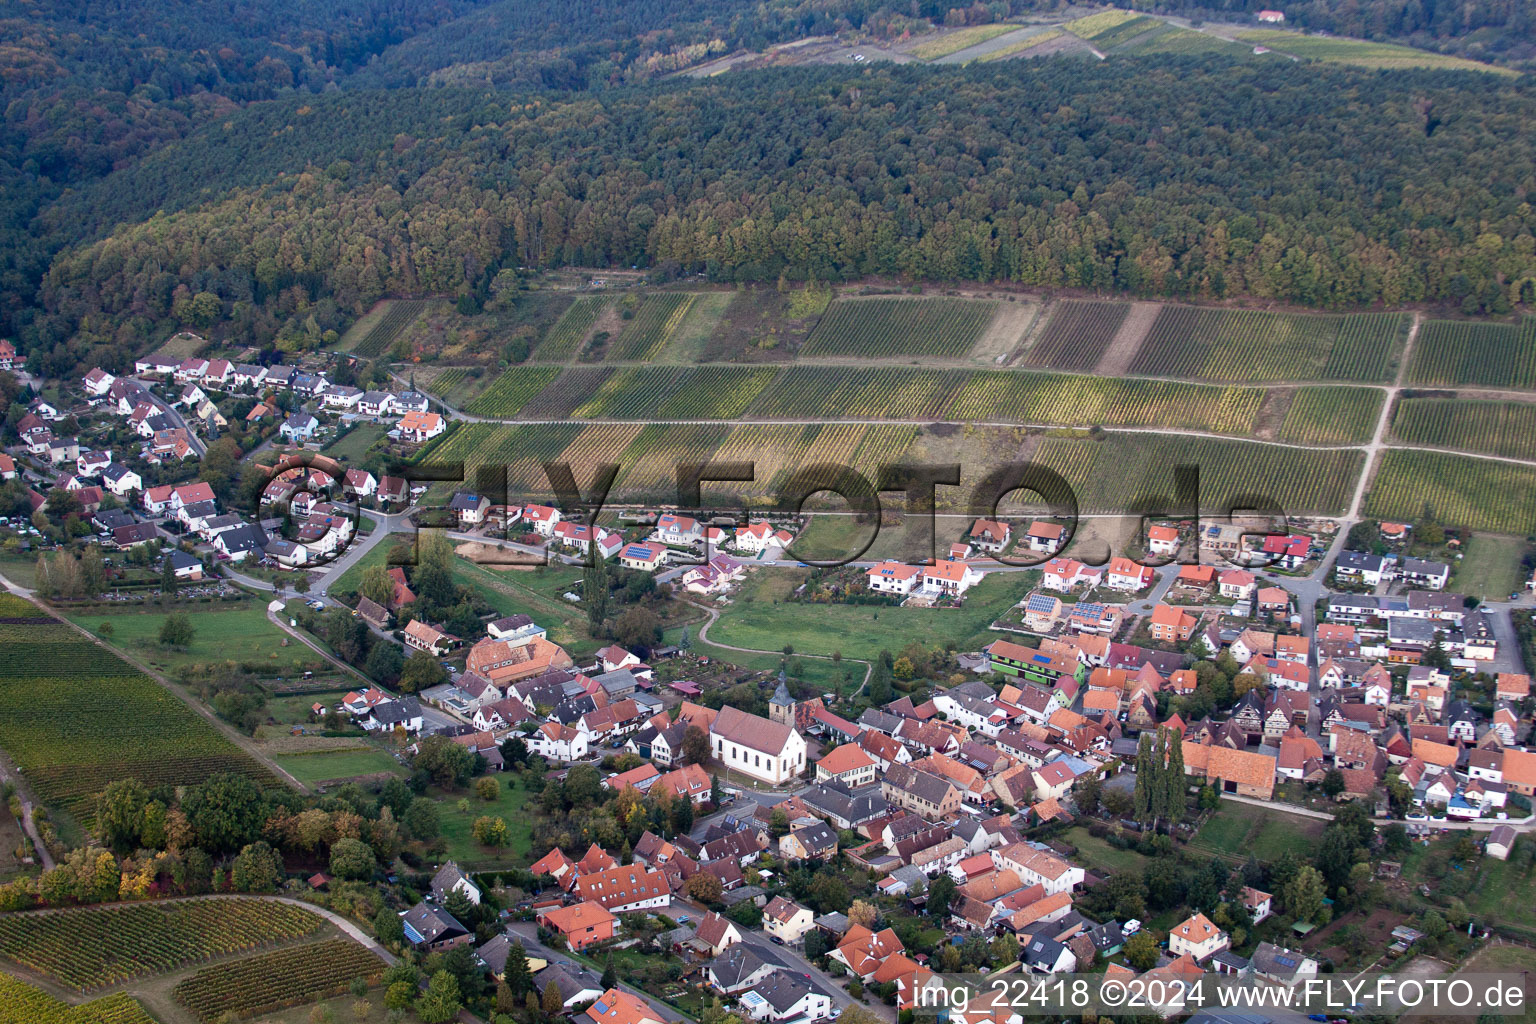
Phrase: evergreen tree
[1176,784]
[1157,796]
[594,593]
[518,977]
[1145,774]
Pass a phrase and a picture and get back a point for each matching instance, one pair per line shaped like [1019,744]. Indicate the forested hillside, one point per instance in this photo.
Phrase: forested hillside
[88,87]
[1187,178]
[296,165]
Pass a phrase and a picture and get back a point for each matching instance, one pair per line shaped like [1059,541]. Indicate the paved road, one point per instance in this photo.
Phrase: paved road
[791,957]
[529,934]
[174,415]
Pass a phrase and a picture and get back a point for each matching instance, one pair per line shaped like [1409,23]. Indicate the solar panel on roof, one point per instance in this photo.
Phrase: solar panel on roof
[1285,961]
[601,1007]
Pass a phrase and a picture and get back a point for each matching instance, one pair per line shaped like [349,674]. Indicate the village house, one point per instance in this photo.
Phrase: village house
[992,536]
[541,519]
[423,637]
[1066,574]
[1197,937]
[1171,625]
[759,537]
[1163,540]
[931,796]
[1124,574]
[432,928]
[848,764]
[678,531]
[616,1007]
[420,427]
[950,579]
[624,888]
[1237,584]
[893,577]
[786,920]
[646,556]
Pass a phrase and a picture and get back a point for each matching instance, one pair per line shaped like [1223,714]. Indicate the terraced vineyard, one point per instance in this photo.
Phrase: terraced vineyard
[1497,428]
[631,392]
[62,721]
[1456,352]
[716,393]
[1171,39]
[1097,24]
[573,387]
[657,319]
[564,339]
[96,947]
[649,463]
[441,384]
[509,392]
[1086,401]
[1108,474]
[1077,334]
[400,315]
[1248,345]
[859,392]
[941,328]
[271,981]
[1124,32]
[954,42]
[1019,46]
[522,449]
[1359,52]
[1462,490]
[21,1003]
[1332,415]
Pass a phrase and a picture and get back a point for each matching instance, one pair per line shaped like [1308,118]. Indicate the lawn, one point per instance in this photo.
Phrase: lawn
[1102,857]
[510,591]
[824,675]
[241,634]
[354,444]
[862,631]
[532,592]
[1237,830]
[337,764]
[1501,891]
[1491,568]
[379,555]
[19,568]
[1519,961]
[458,826]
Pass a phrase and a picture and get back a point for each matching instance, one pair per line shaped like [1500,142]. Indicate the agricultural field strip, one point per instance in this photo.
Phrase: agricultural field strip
[284,977]
[1455,353]
[1476,492]
[57,692]
[400,315]
[1496,428]
[732,393]
[870,328]
[21,1003]
[97,947]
